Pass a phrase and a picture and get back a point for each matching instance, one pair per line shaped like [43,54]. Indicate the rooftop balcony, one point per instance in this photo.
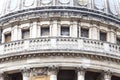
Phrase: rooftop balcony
[60,44]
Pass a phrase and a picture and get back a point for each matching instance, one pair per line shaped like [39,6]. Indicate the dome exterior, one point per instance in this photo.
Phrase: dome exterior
[105,6]
[59,40]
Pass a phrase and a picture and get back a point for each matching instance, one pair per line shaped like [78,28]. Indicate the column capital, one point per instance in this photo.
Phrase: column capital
[107,75]
[53,69]
[26,71]
[81,70]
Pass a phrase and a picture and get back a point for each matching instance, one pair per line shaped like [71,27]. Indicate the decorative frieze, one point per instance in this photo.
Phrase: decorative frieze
[39,71]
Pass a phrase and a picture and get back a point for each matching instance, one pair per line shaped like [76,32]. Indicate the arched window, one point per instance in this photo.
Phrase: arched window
[113,6]
[28,2]
[13,4]
[83,2]
[46,1]
[64,1]
[99,4]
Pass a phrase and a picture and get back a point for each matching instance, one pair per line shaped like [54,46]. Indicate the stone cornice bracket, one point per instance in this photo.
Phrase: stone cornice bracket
[80,70]
[52,69]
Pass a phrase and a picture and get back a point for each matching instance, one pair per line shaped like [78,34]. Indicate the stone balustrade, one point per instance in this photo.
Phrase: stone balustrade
[61,44]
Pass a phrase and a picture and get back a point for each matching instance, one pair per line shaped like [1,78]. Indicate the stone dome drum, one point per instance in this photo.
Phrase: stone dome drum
[59,39]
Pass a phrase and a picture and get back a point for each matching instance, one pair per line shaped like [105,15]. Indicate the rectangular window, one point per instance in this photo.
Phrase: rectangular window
[85,32]
[65,31]
[8,37]
[45,31]
[25,33]
[118,41]
[103,36]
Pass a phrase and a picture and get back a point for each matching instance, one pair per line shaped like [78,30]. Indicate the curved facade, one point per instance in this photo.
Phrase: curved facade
[60,40]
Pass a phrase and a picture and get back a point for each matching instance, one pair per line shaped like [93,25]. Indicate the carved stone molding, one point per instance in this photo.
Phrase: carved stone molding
[106,75]
[52,69]
[26,71]
[11,58]
[39,71]
[80,70]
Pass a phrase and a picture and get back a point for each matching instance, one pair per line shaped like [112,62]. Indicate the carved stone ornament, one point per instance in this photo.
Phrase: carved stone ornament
[26,71]
[53,69]
[39,71]
[106,75]
[64,1]
[82,2]
[46,2]
[80,70]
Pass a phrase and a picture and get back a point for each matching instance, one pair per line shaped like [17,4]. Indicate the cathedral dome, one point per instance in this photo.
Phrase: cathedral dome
[105,6]
[60,39]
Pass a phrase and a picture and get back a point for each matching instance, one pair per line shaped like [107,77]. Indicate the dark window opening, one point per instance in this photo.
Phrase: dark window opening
[65,31]
[115,78]
[25,33]
[67,75]
[92,75]
[103,36]
[8,37]
[14,76]
[118,41]
[84,32]
[45,31]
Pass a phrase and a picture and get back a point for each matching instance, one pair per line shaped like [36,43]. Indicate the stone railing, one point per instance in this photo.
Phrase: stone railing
[61,44]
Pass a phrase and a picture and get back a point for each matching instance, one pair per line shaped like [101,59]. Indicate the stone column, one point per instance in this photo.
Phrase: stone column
[19,33]
[111,37]
[53,72]
[74,29]
[106,5]
[34,30]
[14,32]
[26,74]
[94,32]
[71,2]
[54,28]
[107,75]
[92,4]
[80,73]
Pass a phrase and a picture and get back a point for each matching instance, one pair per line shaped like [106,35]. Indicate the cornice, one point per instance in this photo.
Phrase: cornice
[27,55]
[59,12]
